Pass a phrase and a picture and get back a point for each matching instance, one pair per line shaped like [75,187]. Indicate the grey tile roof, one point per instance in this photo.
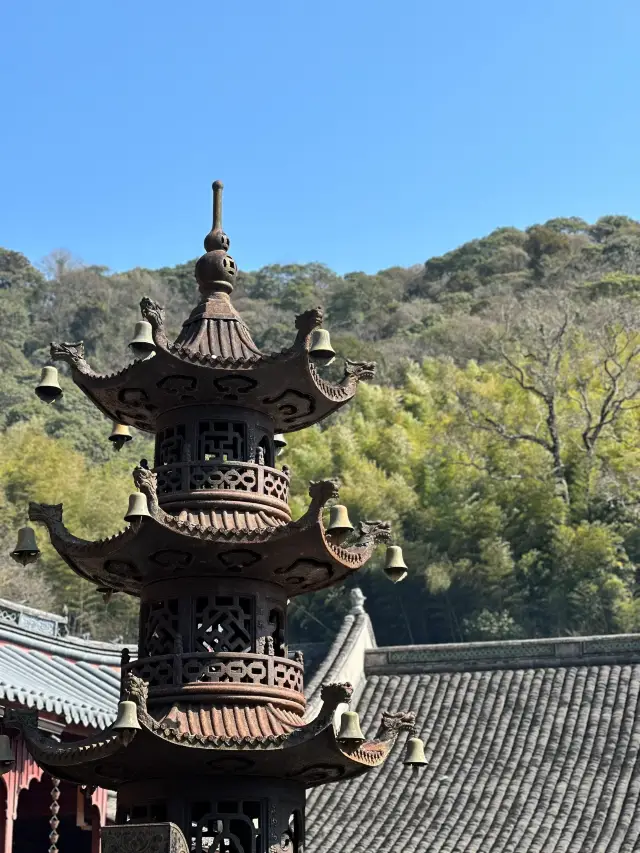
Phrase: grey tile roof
[77,681]
[532,748]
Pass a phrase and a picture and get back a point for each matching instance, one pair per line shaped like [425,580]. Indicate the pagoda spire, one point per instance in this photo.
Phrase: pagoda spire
[216,270]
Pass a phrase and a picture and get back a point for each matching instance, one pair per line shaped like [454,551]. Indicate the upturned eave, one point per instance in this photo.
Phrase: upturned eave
[299,556]
[311,754]
[285,386]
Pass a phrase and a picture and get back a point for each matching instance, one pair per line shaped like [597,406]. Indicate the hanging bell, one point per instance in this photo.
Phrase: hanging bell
[142,343]
[107,593]
[120,435]
[415,753]
[127,719]
[321,349]
[26,550]
[339,524]
[279,442]
[48,389]
[394,565]
[138,507]
[7,760]
[350,731]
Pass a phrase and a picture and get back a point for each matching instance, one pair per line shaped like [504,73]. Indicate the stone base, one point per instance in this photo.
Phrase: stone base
[144,838]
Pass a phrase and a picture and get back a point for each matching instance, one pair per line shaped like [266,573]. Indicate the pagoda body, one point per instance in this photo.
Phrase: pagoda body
[214,752]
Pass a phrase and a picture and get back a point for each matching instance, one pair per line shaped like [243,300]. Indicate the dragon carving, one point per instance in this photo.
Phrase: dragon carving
[154,314]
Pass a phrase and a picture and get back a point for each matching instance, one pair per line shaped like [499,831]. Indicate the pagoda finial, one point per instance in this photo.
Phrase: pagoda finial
[216,271]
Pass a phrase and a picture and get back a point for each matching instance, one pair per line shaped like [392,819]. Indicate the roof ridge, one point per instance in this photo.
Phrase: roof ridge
[355,622]
[504,654]
[74,648]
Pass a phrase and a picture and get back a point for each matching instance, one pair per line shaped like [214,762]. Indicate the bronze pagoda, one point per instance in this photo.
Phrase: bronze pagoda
[211,750]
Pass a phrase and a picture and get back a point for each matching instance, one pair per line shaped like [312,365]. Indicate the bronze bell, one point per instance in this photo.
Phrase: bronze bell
[339,524]
[120,435]
[138,507]
[48,389]
[142,343]
[107,593]
[26,550]
[415,753]
[7,760]
[394,565]
[279,442]
[127,719]
[350,732]
[321,349]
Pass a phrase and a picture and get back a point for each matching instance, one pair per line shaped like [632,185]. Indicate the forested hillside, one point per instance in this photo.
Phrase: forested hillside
[501,439]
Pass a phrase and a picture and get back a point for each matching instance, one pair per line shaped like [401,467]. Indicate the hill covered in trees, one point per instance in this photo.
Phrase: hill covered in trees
[501,438]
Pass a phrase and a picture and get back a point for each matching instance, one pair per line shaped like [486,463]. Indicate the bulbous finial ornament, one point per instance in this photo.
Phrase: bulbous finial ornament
[216,271]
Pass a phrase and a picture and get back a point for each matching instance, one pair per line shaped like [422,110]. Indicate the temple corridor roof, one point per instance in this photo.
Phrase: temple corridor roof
[74,680]
[531,746]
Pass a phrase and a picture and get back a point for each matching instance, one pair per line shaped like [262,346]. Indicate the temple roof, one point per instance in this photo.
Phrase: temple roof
[76,681]
[531,746]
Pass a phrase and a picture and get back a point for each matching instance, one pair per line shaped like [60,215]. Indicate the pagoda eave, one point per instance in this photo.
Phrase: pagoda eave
[299,556]
[286,387]
[310,754]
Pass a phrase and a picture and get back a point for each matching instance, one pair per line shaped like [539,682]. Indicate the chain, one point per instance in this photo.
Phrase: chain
[54,822]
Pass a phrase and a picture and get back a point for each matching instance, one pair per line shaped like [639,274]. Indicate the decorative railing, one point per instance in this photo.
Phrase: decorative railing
[244,477]
[176,671]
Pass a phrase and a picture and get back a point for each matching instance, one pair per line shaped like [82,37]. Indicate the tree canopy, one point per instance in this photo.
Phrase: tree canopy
[500,440]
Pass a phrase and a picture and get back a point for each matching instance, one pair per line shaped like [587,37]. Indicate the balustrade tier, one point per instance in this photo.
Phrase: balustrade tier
[224,677]
[233,485]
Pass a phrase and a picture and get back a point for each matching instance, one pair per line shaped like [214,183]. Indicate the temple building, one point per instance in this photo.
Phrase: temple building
[74,686]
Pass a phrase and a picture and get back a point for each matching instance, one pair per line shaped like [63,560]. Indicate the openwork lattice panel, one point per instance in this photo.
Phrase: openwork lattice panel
[276,485]
[285,675]
[236,478]
[221,441]
[170,445]
[170,480]
[230,827]
[161,628]
[223,623]
[231,672]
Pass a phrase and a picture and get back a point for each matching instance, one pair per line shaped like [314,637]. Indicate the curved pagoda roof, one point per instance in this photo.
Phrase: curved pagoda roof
[215,361]
[299,556]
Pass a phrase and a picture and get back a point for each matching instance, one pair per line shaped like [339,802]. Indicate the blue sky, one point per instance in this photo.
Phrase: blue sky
[355,132]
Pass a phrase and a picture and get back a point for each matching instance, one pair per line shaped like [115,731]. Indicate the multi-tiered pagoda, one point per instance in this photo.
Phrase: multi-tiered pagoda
[211,750]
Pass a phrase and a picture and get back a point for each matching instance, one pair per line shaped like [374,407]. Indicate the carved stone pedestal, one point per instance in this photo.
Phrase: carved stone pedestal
[144,838]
